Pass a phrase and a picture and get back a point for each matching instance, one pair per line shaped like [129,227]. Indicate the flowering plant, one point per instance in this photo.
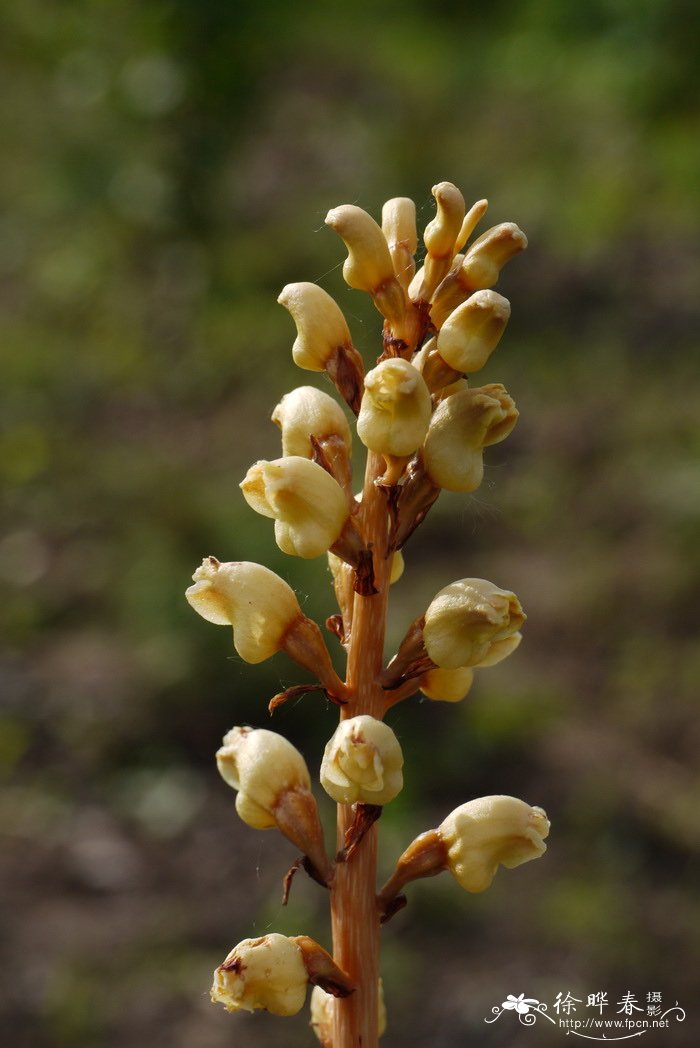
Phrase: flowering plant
[425,429]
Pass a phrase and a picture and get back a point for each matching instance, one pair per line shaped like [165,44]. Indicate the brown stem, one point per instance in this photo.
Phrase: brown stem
[424,857]
[354,913]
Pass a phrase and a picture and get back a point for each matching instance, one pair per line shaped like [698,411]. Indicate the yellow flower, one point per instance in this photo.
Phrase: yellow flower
[321,326]
[369,266]
[261,765]
[274,789]
[462,425]
[471,333]
[395,409]
[259,605]
[307,412]
[489,832]
[362,763]
[466,619]
[307,504]
[266,973]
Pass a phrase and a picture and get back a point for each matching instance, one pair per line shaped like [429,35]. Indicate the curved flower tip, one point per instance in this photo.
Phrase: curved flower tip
[489,832]
[362,763]
[441,233]
[266,973]
[321,326]
[259,605]
[368,265]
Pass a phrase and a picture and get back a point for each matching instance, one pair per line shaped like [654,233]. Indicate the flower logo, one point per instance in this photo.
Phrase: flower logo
[520,1004]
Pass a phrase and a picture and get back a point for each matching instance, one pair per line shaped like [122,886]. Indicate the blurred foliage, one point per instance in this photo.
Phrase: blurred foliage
[166,169]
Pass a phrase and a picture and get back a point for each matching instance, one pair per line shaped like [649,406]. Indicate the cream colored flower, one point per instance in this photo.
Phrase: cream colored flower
[491,831]
[262,766]
[307,412]
[321,326]
[362,763]
[395,409]
[471,333]
[274,789]
[466,619]
[259,605]
[307,504]
[462,425]
[266,973]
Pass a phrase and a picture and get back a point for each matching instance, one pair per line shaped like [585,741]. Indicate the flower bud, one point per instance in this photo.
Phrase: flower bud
[274,789]
[399,229]
[261,765]
[265,973]
[322,1015]
[491,831]
[259,605]
[440,237]
[307,504]
[369,266]
[489,253]
[466,619]
[395,409]
[471,220]
[307,412]
[471,333]
[441,233]
[461,427]
[321,326]
[362,763]
[447,685]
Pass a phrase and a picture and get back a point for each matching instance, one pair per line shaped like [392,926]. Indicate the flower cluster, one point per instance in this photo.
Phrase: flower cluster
[426,428]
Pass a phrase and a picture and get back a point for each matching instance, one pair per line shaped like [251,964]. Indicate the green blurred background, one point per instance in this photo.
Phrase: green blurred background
[166,170]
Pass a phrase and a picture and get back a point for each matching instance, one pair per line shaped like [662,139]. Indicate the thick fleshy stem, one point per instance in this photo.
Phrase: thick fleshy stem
[355,917]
